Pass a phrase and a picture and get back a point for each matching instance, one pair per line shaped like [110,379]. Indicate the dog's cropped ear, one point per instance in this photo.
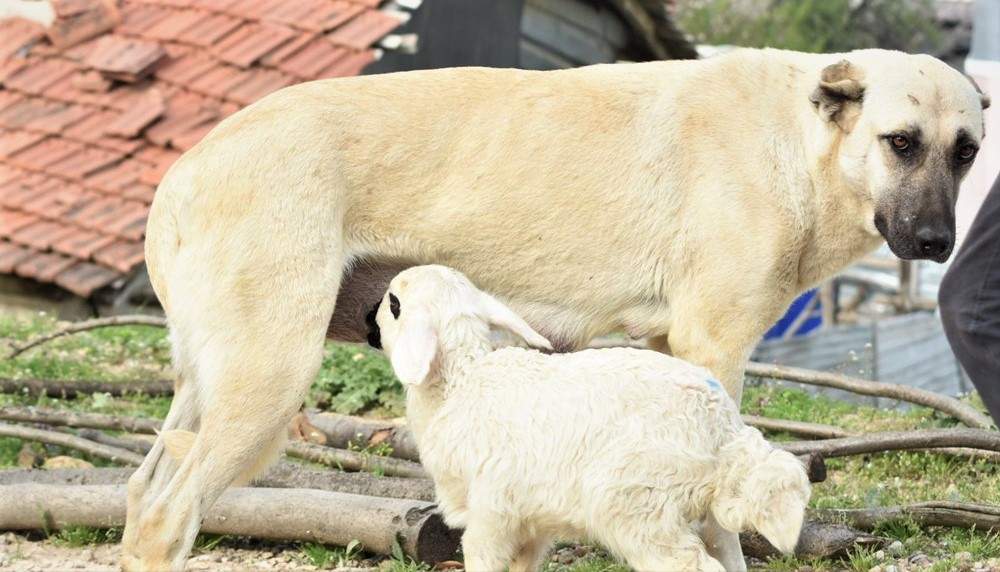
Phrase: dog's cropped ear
[415,347]
[984,98]
[839,87]
[498,314]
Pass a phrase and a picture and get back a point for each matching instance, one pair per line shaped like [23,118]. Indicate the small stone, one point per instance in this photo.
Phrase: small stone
[920,559]
[880,554]
[890,568]
[896,548]
[875,569]
[963,556]
[65,462]
[566,558]
[87,555]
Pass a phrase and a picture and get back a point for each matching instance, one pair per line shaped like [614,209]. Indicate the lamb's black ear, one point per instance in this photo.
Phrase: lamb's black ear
[839,87]
[984,98]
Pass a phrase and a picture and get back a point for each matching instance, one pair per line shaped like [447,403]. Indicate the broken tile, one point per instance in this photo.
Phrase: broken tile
[125,59]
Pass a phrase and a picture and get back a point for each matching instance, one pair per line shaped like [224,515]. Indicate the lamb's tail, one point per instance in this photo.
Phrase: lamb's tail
[761,487]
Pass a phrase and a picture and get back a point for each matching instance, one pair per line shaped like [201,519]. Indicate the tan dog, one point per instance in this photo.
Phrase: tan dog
[688,202]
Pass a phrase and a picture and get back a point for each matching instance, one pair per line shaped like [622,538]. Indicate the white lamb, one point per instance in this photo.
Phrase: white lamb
[627,447]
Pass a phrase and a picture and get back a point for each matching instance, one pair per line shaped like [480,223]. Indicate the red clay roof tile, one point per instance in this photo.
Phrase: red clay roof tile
[312,59]
[13,141]
[249,43]
[39,75]
[210,29]
[43,267]
[16,34]
[82,243]
[368,27]
[41,234]
[148,108]
[261,83]
[122,255]
[48,152]
[175,24]
[11,221]
[63,120]
[10,255]
[83,279]
[349,66]
[137,18]
[87,161]
[80,20]
[125,59]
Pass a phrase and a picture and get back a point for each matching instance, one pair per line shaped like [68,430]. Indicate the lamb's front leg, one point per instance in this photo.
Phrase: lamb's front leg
[721,544]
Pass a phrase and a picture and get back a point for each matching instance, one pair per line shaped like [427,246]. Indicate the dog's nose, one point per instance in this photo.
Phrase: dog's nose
[931,242]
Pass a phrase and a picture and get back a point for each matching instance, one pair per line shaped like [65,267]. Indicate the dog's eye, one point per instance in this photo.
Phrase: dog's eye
[899,142]
[967,153]
[394,305]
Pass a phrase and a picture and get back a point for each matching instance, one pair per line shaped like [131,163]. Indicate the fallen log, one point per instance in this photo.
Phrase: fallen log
[932,513]
[274,514]
[344,430]
[898,441]
[127,443]
[62,417]
[85,325]
[284,475]
[113,454]
[354,461]
[818,540]
[800,428]
[63,389]
[948,405]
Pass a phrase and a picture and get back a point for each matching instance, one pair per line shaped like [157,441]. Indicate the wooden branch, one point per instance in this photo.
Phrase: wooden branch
[281,476]
[800,428]
[898,441]
[63,417]
[276,514]
[953,407]
[932,513]
[354,461]
[62,389]
[85,325]
[112,454]
[127,443]
[818,540]
[343,430]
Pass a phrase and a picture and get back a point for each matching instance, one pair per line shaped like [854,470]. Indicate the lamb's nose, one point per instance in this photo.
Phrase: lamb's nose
[932,242]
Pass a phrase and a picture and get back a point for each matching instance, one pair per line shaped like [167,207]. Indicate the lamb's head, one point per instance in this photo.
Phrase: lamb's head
[431,309]
[761,487]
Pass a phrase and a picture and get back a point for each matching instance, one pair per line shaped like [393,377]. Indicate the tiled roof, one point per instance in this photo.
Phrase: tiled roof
[95,108]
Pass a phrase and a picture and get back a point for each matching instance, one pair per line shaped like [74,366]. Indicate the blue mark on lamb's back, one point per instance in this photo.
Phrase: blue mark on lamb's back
[713,384]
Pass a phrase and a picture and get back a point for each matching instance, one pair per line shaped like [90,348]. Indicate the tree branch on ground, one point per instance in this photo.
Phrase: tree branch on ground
[800,428]
[342,431]
[113,454]
[932,513]
[62,389]
[898,441]
[818,540]
[951,406]
[275,514]
[64,417]
[85,325]
[354,461]
[283,475]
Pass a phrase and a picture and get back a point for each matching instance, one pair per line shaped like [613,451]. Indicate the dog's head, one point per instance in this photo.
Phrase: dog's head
[906,128]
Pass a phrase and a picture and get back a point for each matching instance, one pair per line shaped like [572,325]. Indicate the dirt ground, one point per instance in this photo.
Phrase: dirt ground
[21,554]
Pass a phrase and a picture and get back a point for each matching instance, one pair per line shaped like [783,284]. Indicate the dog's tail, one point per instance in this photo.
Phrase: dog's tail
[177,443]
[760,487]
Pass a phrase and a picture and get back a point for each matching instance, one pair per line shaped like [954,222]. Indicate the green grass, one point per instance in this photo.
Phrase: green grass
[360,381]
[77,536]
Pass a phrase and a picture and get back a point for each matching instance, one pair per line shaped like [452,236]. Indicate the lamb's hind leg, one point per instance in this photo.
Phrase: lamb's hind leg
[258,349]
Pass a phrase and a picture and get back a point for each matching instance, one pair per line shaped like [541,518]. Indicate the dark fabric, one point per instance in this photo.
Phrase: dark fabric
[970,302]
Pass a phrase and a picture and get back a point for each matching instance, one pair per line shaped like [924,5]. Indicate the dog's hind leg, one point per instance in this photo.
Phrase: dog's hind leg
[258,335]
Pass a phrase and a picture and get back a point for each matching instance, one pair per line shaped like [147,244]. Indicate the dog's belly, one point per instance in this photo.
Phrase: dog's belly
[365,283]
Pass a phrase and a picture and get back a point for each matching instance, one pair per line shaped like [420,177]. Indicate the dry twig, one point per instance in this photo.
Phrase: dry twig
[112,454]
[898,441]
[82,326]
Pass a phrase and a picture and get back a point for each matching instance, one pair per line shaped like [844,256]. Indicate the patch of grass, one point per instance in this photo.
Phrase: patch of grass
[205,541]
[590,563]
[354,379]
[862,559]
[78,536]
[323,556]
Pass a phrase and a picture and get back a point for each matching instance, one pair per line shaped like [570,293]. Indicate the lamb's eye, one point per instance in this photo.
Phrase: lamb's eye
[394,305]
[966,153]
[899,142]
